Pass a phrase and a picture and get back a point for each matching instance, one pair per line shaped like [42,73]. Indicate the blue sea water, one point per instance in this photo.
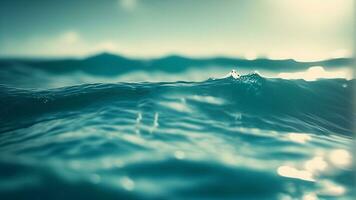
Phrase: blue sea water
[246,138]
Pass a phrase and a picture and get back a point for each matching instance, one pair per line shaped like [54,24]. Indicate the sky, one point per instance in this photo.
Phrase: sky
[299,29]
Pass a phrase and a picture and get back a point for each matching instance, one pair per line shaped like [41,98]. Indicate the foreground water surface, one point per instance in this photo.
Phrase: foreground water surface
[247,138]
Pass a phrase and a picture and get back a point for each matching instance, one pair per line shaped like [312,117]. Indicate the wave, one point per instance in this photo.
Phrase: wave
[179,140]
[323,106]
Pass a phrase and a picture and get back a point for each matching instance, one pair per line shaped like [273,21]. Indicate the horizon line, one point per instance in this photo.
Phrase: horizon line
[89,55]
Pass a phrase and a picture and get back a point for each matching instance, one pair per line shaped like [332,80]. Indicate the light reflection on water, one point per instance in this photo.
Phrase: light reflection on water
[317,72]
[317,170]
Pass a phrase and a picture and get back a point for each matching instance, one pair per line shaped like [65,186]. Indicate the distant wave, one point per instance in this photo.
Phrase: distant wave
[106,64]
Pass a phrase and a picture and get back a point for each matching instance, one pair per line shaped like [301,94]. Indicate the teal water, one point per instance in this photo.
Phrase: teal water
[247,138]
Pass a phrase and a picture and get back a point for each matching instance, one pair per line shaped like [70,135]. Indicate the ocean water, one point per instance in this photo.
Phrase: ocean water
[247,138]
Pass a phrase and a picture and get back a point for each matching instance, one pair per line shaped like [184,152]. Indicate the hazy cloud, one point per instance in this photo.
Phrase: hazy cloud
[128,5]
[69,37]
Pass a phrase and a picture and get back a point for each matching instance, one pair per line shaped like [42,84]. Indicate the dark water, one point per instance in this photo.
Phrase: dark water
[247,138]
